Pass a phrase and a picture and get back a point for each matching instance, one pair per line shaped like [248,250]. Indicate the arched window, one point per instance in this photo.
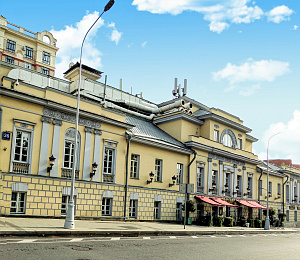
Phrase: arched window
[69,142]
[228,138]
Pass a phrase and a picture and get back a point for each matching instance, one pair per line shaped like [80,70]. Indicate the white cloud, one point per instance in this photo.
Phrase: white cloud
[279,14]
[115,35]
[263,70]
[295,27]
[69,41]
[248,91]
[144,44]
[219,13]
[286,145]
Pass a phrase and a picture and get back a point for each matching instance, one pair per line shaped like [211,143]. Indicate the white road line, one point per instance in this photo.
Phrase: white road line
[115,238]
[27,241]
[194,237]
[242,236]
[172,237]
[212,236]
[146,238]
[76,240]
[254,235]
[228,235]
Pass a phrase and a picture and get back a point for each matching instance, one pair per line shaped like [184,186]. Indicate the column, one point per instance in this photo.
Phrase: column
[97,159]
[43,162]
[55,146]
[292,191]
[235,179]
[298,199]
[245,180]
[87,154]
[221,178]
[209,175]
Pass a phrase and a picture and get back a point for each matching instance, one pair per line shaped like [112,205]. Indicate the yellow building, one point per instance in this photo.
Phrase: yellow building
[133,154]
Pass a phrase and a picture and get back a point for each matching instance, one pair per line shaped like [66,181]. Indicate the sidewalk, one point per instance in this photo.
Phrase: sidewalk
[55,227]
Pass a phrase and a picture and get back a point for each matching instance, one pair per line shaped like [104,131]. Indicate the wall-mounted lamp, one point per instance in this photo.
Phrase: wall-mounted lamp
[237,188]
[151,174]
[248,192]
[173,181]
[51,161]
[94,169]
[213,187]
[226,188]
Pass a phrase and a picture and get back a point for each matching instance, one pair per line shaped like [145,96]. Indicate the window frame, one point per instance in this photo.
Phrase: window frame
[270,189]
[46,57]
[28,53]
[135,166]
[11,46]
[45,71]
[17,202]
[250,186]
[216,135]
[240,144]
[179,175]
[106,206]
[27,65]
[200,175]
[279,189]
[260,187]
[109,145]
[158,170]
[133,208]
[157,210]
[9,59]
[70,137]
[65,208]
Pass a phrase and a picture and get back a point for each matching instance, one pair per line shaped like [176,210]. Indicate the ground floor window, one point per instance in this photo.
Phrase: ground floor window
[296,215]
[287,215]
[157,206]
[64,204]
[18,201]
[179,211]
[106,206]
[133,209]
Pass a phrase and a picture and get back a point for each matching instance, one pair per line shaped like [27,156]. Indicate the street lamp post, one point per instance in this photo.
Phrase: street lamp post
[267,223]
[69,222]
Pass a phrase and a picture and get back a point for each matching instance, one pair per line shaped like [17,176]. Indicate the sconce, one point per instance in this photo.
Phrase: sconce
[173,181]
[51,161]
[151,174]
[237,188]
[94,167]
[226,188]
[213,187]
[279,196]
[248,192]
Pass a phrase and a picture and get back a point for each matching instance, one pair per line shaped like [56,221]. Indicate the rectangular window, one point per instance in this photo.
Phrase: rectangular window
[27,65]
[108,161]
[135,165]
[228,184]
[179,178]
[158,170]
[133,209]
[214,181]
[69,155]
[260,187]
[239,186]
[21,153]
[45,71]
[249,187]
[278,189]
[157,205]
[9,59]
[64,204]
[11,46]
[179,211]
[270,189]
[240,144]
[18,201]
[106,206]
[216,135]
[28,53]
[46,57]
[200,178]
[288,193]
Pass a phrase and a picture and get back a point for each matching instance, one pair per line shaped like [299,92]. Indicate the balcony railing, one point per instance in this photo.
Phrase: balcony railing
[67,173]
[22,168]
[109,178]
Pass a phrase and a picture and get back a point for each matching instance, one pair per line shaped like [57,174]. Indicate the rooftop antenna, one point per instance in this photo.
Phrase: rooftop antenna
[178,91]
[175,90]
[185,87]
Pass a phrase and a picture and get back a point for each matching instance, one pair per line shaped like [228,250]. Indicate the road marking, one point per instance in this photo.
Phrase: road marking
[146,237]
[27,241]
[228,235]
[194,237]
[76,240]
[254,235]
[212,236]
[172,237]
[242,236]
[115,238]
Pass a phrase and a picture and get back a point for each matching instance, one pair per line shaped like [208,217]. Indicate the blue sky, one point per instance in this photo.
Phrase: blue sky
[241,56]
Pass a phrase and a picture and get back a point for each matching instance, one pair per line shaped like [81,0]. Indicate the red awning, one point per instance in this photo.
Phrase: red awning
[256,204]
[225,203]
[246,203]
[209,201]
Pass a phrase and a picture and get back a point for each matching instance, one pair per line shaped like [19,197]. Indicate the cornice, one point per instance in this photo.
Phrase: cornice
[251,138]
[220,152]
[178,116]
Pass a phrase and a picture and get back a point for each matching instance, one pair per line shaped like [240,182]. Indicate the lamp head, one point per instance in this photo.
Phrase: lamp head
[109,5]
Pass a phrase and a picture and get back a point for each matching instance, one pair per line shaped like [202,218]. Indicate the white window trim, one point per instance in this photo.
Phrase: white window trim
[179,173]
[17,203]
[109,144]
[160,171]
[137,168]
[110,206]
[72,139]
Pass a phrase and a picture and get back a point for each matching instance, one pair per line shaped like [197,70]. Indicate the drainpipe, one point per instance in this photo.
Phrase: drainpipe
[128,137]
[261,173]
[189,170]
[287,178]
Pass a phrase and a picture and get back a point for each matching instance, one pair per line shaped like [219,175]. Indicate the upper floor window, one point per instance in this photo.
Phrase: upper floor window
[216,135]
[270,188]
[249,186]
[46,57]
[214,181]
[109,161]
[278,189]
[200,177]
[11,46]
[287,193]
[260,187]
[158,170]
[295,191]
[240,144]
[9,59]
[45,71]
[179,178]
[69,149]
[135,165]
[27,65]
[227,140]
[28,53]
[239,186]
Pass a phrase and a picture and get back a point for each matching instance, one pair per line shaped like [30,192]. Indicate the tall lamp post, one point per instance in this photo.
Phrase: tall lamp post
[267,223]
[69,222]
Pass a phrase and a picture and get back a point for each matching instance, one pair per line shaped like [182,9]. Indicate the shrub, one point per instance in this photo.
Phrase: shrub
[205,221]
[190,206]
[228,222]
[251,221]
[243,222]
[258,223]
[218,221]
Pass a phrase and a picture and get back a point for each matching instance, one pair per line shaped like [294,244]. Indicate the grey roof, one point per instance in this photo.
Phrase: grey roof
[147,130]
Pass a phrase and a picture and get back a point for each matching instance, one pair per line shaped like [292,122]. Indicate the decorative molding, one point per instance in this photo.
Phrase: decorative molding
[19,187]
[157,198]
[244,168]
[215,164]
[23,125]
[108,194]
[89,130]
[240,135]
[239,170]
[209,159]
[220,162]
[228,160]
[97,132]
[46,119]
[71,134]
[178,116]
[57,122]
[231,134]
[70,118]
[216,126]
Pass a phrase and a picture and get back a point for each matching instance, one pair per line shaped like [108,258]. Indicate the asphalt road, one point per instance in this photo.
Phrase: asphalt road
[272,246]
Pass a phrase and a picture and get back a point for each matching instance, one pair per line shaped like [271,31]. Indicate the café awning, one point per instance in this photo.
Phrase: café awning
[246,203]
[209,201]
[257,205]
[225,203]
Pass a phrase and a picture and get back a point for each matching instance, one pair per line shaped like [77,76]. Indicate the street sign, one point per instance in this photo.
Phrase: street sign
[5,135]
[186,188]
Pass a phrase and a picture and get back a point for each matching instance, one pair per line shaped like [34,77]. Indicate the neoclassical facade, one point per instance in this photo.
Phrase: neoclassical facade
[133,155]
